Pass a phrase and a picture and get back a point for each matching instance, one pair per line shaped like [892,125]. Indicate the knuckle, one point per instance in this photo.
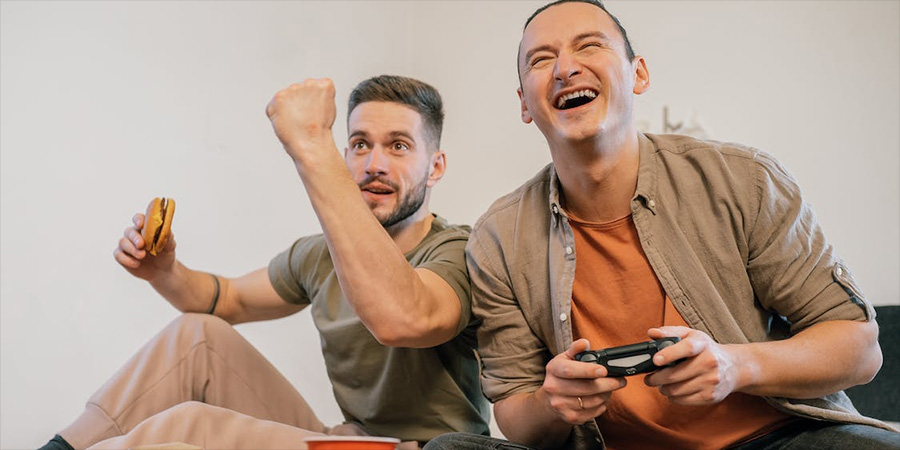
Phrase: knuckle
[551,387]
[556,403]
[570,417]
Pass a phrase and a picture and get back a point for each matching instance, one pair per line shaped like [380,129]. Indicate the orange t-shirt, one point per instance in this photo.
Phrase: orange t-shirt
[616,298]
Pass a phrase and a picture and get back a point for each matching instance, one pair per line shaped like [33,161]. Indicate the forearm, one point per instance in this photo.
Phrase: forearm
[527,419]
[388,295]
[820,360]
[186,289]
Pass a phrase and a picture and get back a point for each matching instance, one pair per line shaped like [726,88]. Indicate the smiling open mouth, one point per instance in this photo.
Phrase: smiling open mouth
[575,99]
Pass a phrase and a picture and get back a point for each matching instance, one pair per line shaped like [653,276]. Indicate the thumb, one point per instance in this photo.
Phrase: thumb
[668,331]
[577,347]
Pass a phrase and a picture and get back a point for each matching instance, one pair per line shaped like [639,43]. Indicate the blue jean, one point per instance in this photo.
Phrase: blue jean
[803,435]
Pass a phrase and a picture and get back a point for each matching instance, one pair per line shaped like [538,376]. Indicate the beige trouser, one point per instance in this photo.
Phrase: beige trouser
[198,382]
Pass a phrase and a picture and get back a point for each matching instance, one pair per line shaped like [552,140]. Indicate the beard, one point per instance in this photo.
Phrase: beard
[407,205]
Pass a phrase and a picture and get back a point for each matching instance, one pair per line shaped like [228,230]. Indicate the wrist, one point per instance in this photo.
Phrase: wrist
[309,149]
[746,368]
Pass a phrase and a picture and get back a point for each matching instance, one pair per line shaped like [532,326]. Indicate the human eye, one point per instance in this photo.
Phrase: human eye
[400,146]
[539,60]
[359,145]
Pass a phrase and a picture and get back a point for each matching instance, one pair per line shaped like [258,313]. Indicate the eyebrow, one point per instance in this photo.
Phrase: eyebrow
[590,34]
[392,134]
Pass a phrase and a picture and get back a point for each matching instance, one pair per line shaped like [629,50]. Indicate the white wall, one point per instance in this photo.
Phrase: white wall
[104,105]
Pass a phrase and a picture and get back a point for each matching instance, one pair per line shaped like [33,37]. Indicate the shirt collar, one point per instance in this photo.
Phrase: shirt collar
[645,191]
[646,183]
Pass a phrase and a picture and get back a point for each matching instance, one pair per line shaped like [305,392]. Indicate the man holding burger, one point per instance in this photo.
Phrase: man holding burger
[386,282]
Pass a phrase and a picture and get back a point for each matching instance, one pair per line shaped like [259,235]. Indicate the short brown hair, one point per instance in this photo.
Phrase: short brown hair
[416,94]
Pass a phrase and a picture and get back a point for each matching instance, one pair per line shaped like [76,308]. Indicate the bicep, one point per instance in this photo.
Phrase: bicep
[445,308]
[252,297]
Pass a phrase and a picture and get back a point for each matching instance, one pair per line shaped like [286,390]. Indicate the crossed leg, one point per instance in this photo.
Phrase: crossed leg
[198,370]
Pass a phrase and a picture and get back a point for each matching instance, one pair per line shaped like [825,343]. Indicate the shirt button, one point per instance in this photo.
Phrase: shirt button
[568,250]
[555,209]
[652,203]
[563,317]
[839,271]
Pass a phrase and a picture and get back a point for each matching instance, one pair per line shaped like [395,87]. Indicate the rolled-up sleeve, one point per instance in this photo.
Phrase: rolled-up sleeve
[793,269]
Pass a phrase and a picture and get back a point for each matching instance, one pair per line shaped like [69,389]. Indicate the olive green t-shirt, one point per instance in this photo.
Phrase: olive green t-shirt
[406,393]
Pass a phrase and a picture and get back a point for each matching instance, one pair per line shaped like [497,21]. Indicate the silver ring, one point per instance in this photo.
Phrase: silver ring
[580,403]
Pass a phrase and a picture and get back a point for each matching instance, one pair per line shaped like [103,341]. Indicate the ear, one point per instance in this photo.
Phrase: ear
[641,75]
[436,168]
[526,116]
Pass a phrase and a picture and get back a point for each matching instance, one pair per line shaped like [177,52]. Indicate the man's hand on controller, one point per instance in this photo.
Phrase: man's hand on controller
[577,391]
[707,374]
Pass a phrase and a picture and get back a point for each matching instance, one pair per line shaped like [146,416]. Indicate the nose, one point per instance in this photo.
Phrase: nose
[567,66]
[377,161]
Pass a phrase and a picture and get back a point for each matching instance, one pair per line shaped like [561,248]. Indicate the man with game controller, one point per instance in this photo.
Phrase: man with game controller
[386,283]
[674,237]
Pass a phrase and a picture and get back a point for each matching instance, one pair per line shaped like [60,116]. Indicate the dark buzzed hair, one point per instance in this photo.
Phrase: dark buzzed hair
[422,97]
[629,51]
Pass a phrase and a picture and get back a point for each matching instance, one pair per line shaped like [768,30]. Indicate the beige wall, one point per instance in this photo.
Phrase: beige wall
[104,105]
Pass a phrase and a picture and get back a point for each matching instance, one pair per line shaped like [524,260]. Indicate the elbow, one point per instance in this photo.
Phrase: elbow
[873,356]
[387,337]
[409,335]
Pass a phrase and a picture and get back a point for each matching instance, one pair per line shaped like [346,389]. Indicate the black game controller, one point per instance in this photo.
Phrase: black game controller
[628,359]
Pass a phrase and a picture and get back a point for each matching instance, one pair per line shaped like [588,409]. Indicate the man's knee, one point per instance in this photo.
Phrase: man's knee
[468,441]
[864,437]
[858,437]
[446,441]
[191,412]
[207,324]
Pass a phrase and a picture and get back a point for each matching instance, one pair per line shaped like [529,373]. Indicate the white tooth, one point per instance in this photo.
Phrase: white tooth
[591,94]
[561,101]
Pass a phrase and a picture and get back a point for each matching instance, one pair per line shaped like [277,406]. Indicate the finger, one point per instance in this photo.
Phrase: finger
[682,389]
[128,248]
[124,260]
[669,331]
[594,402]
[563,368]
[270,108]
[694,397]
[135,237]
[578,410]
[577,347]
[581,387]
[692,343]
[327,85]
[688,369]
[138,220]
[170,246]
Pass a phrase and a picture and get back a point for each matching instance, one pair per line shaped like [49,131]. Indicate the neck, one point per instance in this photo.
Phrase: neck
[410,231]
[598,178]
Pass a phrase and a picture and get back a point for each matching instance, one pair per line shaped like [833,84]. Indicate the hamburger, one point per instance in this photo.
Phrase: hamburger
[158,224]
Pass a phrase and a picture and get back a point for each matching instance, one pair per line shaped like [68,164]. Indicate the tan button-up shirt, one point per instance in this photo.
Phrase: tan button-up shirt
[725,228]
